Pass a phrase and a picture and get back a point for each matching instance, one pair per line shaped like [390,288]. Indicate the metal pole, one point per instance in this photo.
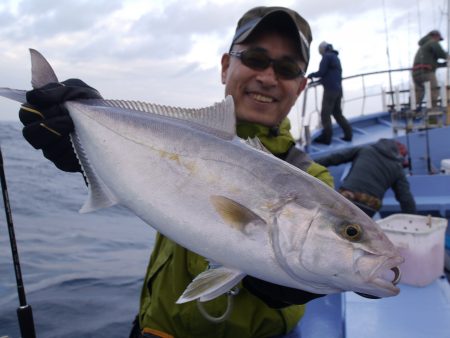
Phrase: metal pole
[24,311]
[408,129]
[447,120]
[429,110]
[387,52]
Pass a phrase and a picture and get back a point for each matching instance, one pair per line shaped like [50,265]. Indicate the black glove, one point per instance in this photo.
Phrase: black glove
[310,76]
[277,296]
[47,124]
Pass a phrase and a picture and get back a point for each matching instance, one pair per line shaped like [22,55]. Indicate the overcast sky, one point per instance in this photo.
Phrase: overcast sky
[169,51]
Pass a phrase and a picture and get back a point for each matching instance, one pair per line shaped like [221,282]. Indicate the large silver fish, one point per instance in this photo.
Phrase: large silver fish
[187,174]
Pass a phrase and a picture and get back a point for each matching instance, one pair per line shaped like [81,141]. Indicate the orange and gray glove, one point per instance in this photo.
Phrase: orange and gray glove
[47,123]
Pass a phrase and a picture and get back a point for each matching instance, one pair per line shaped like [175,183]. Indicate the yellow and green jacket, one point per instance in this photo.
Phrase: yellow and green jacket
[172,268]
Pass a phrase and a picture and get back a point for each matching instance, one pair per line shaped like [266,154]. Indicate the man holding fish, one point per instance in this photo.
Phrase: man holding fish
[264,73]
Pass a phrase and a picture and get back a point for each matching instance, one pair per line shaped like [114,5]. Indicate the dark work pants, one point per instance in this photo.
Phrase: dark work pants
[419,78]
[135,330]
[331,106]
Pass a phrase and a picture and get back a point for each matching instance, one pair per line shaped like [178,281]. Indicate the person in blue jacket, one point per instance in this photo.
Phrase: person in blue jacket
[330,74]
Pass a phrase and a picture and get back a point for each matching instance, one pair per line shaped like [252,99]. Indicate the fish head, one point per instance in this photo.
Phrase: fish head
[336,248]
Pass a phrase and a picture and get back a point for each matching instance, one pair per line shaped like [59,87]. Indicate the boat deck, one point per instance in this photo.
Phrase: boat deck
[414,313]
[365,131]
[417,312]
[431,193]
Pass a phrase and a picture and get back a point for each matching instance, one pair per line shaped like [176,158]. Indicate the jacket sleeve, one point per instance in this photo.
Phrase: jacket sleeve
[322,173]
[304,162]
[403,195]
[439,52]
[323,67]
[339,157]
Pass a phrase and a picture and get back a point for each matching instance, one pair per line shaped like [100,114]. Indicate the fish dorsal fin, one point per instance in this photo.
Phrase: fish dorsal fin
[41,71]
[218,118]
[234,213]
[256,143]
[211,284]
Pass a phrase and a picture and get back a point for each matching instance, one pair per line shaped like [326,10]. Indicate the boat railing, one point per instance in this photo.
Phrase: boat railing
[380,91]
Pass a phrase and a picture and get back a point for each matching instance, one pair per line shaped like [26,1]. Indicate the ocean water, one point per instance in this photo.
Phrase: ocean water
[82,272]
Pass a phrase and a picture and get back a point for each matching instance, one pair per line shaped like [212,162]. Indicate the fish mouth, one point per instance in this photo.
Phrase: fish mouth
[395,281]
[397,275]
[389,271]
[383,280]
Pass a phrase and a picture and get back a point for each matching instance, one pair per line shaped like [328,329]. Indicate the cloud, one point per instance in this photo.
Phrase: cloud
[169,51]
[50,19]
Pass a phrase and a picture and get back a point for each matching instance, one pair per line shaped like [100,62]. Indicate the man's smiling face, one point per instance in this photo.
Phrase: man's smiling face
[260,96]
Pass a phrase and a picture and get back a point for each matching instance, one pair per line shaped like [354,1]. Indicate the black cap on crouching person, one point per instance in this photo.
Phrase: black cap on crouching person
[281,18]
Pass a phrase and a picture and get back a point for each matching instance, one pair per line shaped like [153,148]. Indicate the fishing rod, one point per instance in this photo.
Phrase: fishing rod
[429,109]
[24,311]
[427,145]
[408,147]
[409,123]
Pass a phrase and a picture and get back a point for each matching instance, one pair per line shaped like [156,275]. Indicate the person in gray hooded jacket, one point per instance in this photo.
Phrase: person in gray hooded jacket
[425,64]
[375,168]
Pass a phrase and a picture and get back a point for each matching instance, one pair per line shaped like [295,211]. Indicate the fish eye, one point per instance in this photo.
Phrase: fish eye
[352,232]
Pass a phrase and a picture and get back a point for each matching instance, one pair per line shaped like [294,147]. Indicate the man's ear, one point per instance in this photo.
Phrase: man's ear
[302,85]
[225,65]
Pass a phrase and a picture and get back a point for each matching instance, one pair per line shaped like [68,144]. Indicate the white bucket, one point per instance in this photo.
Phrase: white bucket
[445,166]
[420,240]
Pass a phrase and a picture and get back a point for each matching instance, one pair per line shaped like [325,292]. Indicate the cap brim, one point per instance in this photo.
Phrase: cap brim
[246,30]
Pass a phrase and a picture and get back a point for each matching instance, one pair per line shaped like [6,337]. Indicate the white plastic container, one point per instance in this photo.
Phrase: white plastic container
[445,166]
[421,241]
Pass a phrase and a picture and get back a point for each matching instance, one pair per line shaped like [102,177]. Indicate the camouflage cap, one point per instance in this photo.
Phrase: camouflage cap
[284,17]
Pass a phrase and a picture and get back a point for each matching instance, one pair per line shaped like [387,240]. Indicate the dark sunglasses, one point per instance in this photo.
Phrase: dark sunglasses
[286,68]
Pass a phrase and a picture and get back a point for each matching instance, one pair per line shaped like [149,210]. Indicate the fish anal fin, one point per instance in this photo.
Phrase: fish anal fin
[99,195]
[234,213]
[211,284]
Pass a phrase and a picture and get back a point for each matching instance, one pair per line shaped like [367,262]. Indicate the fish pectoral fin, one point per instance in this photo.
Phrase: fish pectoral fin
[257,144]
[234,213]
[211,284]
